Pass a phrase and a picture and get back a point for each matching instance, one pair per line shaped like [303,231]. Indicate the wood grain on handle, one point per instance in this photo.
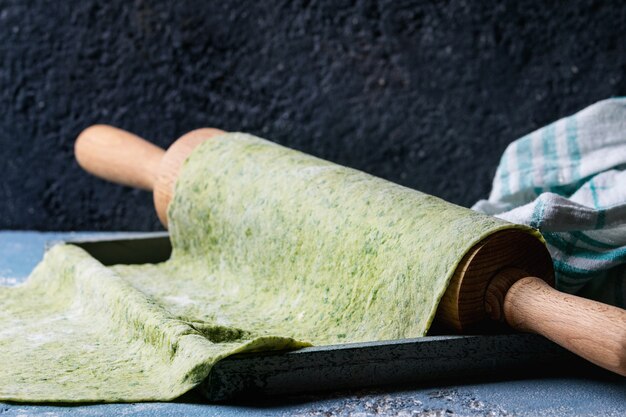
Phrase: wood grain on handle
[119,156]
[592,330]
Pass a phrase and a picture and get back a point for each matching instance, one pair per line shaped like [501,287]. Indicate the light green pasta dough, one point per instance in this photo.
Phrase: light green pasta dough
[272,249]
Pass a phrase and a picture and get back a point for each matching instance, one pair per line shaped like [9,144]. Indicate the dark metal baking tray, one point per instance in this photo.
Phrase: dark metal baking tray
[430,359]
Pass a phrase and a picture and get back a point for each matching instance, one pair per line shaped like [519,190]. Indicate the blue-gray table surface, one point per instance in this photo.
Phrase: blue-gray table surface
[574,394]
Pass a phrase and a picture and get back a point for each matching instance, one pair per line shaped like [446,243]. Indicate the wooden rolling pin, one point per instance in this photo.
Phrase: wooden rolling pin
[496,279]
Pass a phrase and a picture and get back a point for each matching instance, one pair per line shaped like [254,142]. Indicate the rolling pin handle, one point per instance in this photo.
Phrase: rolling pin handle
[592,330]
[497,290]
[119,156]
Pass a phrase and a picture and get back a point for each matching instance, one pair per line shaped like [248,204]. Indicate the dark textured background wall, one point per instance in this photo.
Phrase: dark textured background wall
[427,94]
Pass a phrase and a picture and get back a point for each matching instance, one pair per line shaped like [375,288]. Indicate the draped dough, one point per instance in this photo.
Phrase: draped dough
[272,249]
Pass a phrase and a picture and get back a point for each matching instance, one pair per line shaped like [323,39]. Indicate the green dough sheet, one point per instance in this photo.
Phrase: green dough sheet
[273,249]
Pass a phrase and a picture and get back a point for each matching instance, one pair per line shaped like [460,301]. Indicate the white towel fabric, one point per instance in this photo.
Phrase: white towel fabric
[568,180]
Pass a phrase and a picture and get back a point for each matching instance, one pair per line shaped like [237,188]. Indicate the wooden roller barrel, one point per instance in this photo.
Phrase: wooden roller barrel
[506,277]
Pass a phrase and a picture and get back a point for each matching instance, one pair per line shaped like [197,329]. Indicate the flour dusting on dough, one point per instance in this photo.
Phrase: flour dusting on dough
[272,249]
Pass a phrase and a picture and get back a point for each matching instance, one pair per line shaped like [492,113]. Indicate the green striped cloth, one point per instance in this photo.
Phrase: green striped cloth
[568,180]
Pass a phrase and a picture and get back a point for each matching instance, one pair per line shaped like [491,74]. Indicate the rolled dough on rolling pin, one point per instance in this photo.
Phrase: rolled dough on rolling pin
[383,259]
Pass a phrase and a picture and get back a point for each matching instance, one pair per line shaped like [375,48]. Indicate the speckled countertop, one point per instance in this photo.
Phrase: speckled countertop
[575,394]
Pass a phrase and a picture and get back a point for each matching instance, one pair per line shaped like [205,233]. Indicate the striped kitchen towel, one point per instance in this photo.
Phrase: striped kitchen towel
[568,180]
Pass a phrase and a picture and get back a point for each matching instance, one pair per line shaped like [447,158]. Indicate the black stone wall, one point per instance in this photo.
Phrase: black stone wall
[427,94]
